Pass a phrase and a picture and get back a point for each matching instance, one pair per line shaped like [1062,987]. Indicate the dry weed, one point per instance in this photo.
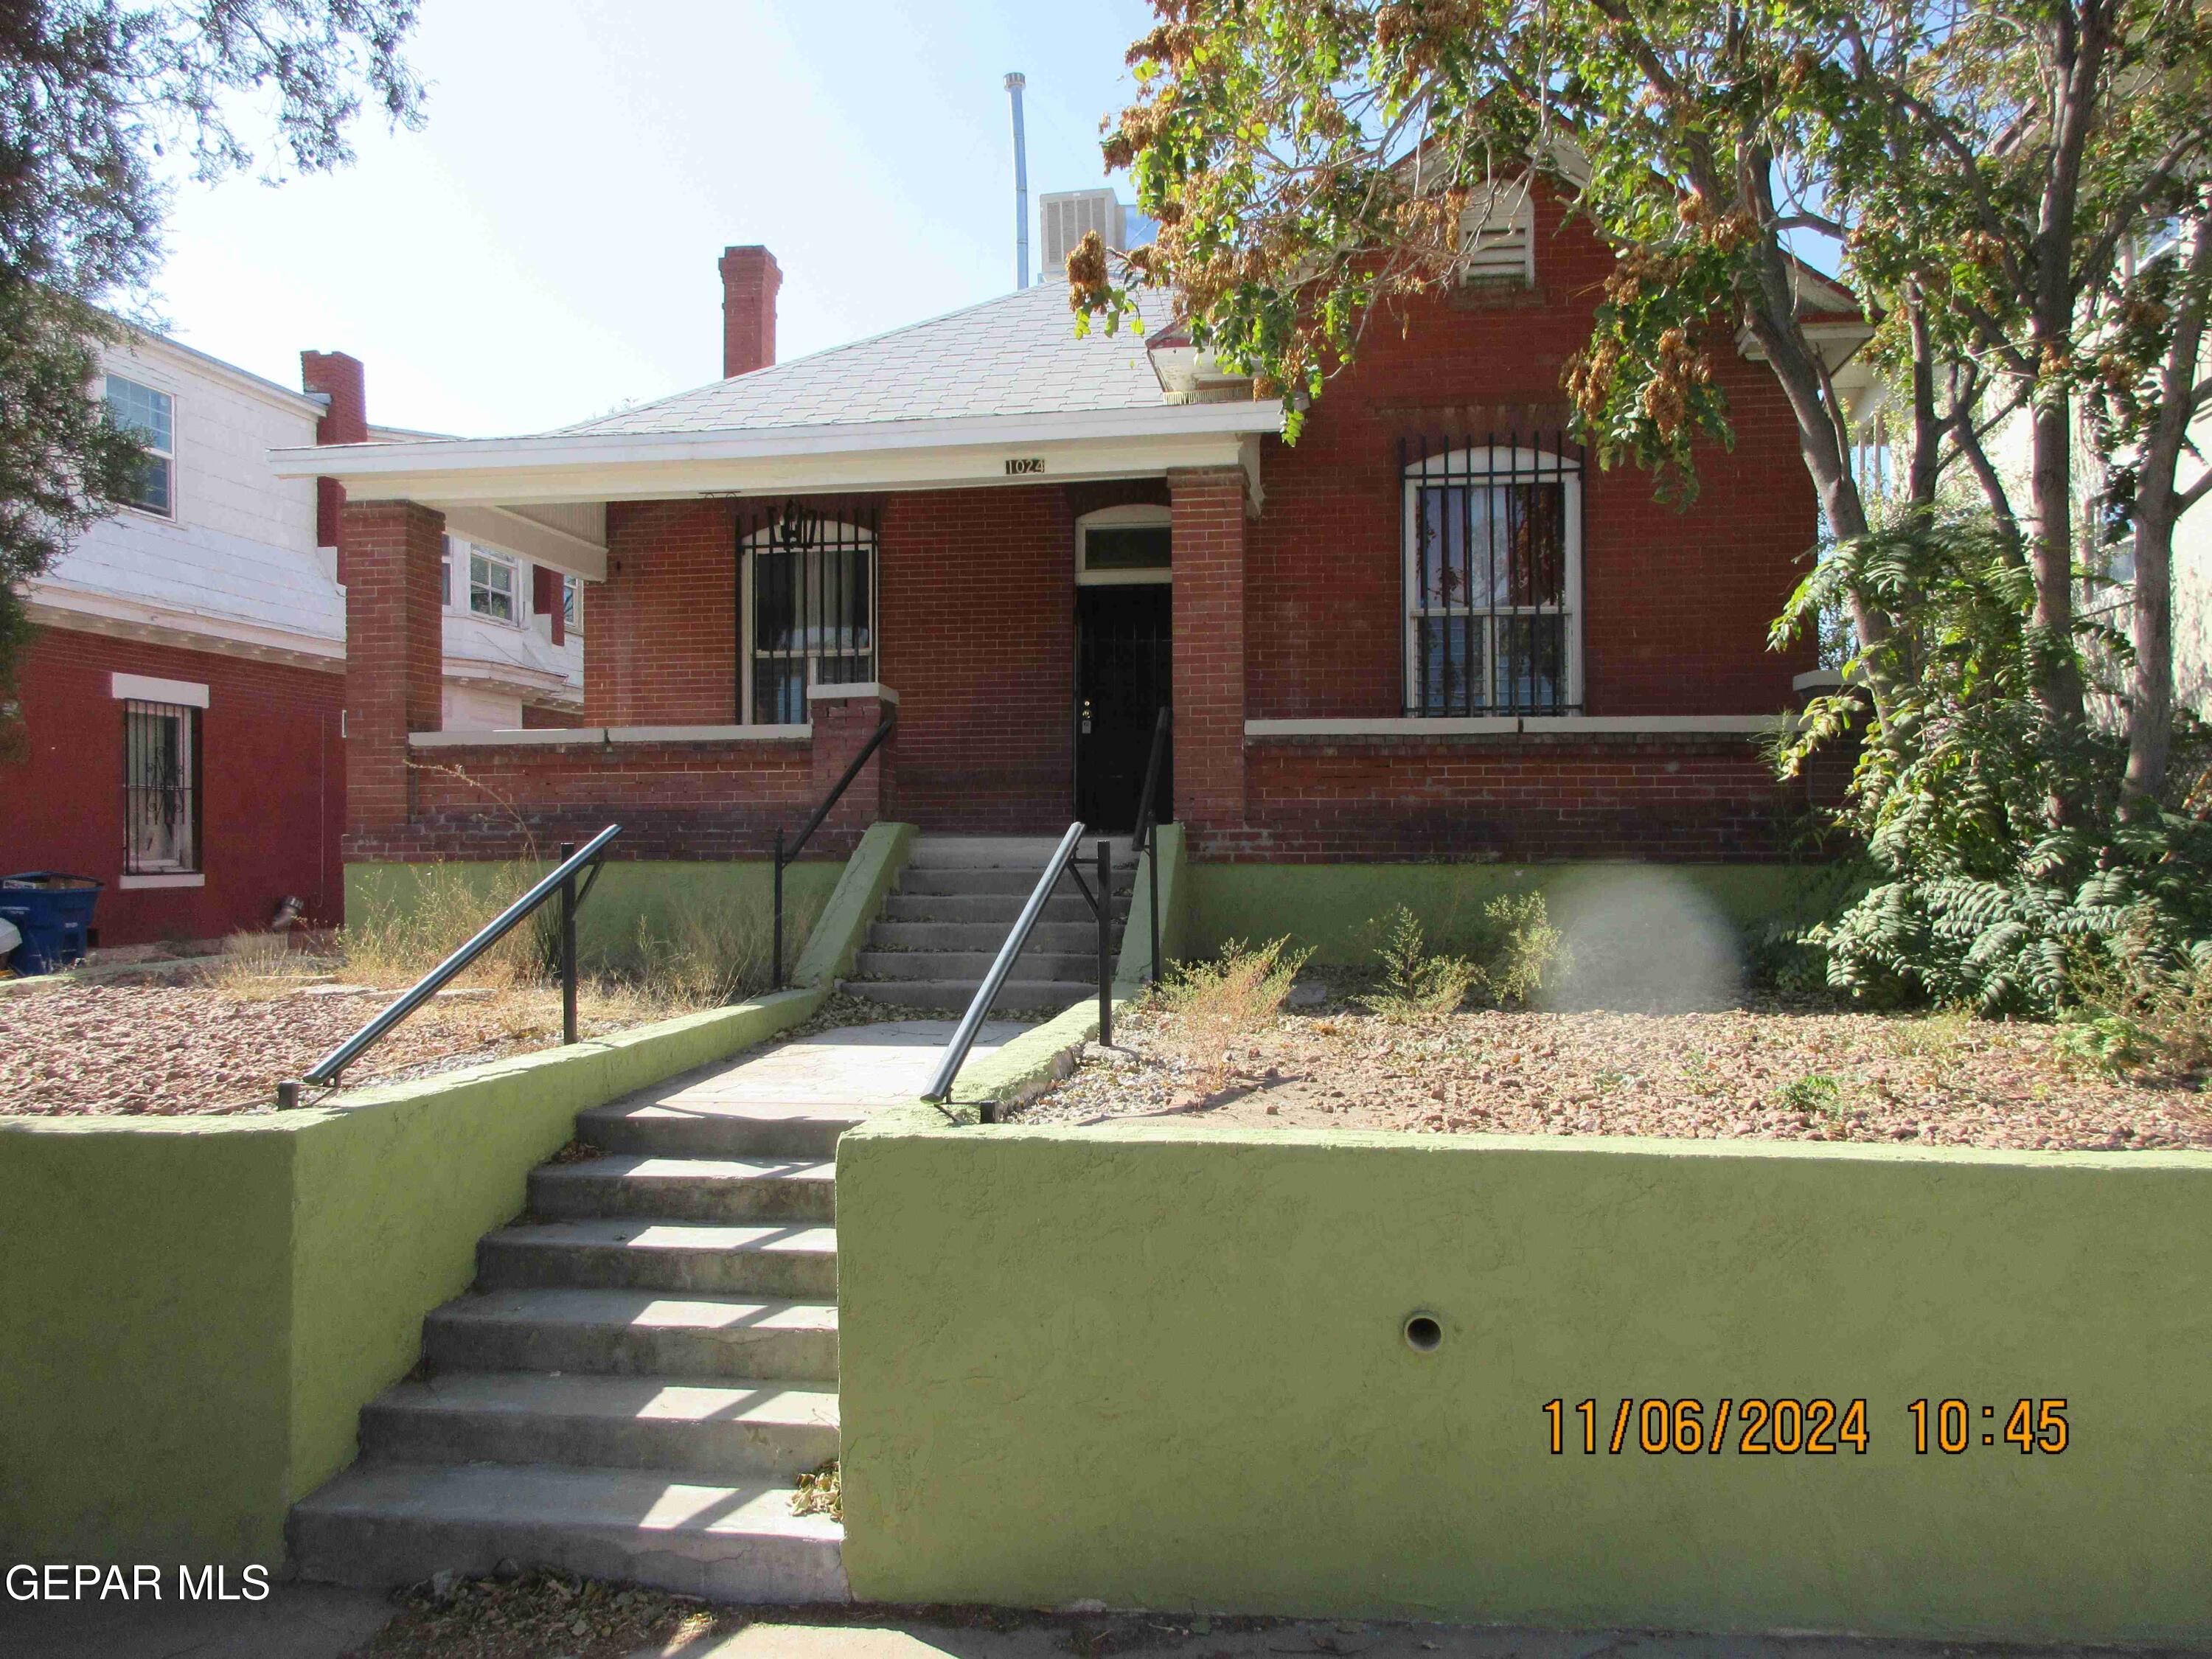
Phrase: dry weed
[254,967]
[1215,1003]
[397,943]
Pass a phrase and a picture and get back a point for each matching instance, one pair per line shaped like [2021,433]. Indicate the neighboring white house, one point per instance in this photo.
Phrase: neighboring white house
[220,554]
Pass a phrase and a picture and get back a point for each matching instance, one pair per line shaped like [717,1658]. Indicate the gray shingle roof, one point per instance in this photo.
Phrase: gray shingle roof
[1016,354]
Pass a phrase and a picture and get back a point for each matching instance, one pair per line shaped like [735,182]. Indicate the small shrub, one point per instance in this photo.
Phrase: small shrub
[1516,947]
[1816,1094]
[2134,1008]
[1214,1003]
[1413,982]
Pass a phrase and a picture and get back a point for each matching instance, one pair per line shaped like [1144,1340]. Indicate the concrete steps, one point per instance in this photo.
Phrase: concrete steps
[398,1524]
[750,1429]
[646,1363]
[957,902]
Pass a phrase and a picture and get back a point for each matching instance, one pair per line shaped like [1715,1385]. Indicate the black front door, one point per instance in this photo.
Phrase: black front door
[1121,676]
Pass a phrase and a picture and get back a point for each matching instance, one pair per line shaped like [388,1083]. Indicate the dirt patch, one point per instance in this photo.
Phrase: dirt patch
[1766,1071]
[167,1049]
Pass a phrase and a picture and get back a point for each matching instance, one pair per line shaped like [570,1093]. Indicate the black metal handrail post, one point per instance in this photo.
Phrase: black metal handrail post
[1148,831]
[1104,905]
[836,794]
[568,949]
[963,1037]
[561,881]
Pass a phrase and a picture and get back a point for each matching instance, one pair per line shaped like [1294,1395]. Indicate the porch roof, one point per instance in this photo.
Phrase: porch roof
[1001,392]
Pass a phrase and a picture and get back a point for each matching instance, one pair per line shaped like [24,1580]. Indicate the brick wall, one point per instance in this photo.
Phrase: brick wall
[674,800]
[661,633]
[978,617]
[1212,669]
[395,633]
[1677,603]
[273,786]
[1523,799]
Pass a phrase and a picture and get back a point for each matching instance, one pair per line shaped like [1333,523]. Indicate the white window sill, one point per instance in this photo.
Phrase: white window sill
[174,878]
[1503,725]
[574,736]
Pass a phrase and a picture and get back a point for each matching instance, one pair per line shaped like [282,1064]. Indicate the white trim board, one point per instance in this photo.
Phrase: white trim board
[152,883]
[144,688]
[1506,725]
[966,451]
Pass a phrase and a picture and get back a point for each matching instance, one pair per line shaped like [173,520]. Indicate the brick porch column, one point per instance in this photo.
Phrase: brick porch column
[844,718]
[1209,646]
[395,652]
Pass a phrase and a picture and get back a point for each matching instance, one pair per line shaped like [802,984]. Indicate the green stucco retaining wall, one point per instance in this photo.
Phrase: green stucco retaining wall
[1163,1366]
[1330,907]
[653,891]
[194,1311]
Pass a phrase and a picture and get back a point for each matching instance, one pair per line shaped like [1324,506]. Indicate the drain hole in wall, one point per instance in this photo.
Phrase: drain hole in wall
[1423,1334]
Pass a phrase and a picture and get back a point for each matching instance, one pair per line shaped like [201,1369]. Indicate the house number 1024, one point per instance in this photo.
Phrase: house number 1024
[1021,463]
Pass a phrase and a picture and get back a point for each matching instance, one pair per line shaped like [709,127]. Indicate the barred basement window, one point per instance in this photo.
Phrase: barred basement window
[161,788]
[809,611]
[1492,541]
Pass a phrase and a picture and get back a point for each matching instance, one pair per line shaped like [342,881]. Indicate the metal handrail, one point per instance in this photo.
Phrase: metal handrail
[326,1070]
[784,857]
[1147,838]
[963,1038]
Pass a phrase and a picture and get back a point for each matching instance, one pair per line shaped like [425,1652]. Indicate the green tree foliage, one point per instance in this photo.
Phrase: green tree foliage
[97,99]
[1983,901]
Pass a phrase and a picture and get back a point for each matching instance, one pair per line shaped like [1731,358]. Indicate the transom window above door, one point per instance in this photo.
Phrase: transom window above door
[1493,573]
[807,616]
[1120,546]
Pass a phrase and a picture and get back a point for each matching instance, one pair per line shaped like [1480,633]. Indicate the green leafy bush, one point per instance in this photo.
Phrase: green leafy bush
[2007,869]
[1512,950]
[1412,981]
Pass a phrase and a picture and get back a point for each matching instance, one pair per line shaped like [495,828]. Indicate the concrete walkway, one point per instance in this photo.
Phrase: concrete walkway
[870,1066]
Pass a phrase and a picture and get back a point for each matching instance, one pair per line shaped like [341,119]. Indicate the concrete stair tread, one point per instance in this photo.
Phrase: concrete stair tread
[632,1310]
[388,1523]
[1039,966]
[644,1234]
[927,938]
[674,1399]
[1016,852]
[642,1166]
[1015,996]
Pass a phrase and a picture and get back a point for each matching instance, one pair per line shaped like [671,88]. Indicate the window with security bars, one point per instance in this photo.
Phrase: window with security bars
[1493,580]
[161,788]
[809,605]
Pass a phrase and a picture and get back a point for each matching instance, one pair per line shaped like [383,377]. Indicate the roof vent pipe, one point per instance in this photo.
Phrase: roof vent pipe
[1015,81]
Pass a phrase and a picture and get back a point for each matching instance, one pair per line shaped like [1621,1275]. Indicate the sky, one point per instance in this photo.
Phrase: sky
[544,249]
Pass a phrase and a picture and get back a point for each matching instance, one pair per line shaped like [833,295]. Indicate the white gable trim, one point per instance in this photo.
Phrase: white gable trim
[51,606]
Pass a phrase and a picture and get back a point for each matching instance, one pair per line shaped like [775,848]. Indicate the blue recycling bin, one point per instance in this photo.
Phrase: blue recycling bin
[53,912]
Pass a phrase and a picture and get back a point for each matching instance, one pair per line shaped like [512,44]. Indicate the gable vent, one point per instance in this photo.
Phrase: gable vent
[1498,241]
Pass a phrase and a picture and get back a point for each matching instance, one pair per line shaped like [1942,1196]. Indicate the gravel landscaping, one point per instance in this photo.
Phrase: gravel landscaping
[1766,1071]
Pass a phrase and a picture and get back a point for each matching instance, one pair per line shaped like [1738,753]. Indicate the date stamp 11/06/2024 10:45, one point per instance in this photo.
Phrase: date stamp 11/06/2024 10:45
[1757,1427]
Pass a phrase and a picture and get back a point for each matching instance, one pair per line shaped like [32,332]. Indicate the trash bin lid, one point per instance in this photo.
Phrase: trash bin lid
[48,880]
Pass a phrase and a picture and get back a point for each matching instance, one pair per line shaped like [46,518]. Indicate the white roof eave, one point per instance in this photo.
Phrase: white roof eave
[455,468]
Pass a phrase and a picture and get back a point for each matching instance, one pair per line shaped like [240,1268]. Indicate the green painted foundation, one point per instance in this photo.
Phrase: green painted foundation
[1177,1378]
[1334,907]
[633,899]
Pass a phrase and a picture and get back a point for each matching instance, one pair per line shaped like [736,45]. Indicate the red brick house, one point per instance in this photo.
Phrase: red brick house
[181,705]
[1429,629]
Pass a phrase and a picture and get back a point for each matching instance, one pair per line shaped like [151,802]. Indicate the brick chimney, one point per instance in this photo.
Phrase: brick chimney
[339,377]
[750,280]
